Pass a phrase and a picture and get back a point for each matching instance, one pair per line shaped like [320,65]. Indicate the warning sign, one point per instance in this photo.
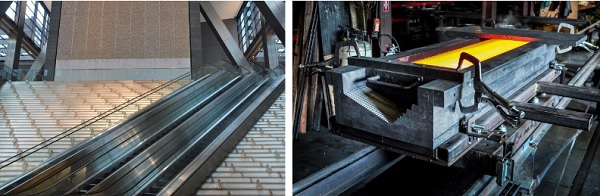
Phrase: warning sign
[386,6]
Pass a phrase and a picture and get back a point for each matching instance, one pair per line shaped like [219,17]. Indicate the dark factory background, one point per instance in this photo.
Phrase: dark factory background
[372,115]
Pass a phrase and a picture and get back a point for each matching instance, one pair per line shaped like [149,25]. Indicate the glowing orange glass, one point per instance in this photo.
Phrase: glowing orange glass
[482,50]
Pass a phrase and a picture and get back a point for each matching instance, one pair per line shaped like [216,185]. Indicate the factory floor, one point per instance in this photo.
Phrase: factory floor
[318,149]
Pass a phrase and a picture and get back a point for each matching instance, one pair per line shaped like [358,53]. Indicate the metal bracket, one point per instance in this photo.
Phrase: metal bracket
[504,171]
[571,31]
[585,45]
[506,109]
[490,20]
[557,66]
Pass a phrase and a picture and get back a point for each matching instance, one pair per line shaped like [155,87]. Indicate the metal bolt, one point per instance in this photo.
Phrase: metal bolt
[477,128]
[535,100]
[543,95]
[502,128]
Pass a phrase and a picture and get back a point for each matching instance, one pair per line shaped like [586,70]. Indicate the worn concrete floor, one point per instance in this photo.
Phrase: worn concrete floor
[316,150]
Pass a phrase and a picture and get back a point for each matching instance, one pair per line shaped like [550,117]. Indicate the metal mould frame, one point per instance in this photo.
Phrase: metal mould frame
[551,38]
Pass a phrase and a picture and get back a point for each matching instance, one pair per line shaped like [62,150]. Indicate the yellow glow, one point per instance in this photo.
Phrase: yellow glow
[483,51]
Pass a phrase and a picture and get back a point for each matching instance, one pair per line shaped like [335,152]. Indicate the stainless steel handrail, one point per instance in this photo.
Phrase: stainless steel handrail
[187,178]
[118,184]
[200,143]
[89,141]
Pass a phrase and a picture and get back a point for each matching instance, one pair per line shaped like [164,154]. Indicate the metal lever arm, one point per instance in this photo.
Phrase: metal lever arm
[506,109]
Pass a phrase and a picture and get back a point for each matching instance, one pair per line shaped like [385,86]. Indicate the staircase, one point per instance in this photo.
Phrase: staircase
[33,112]
[257,164]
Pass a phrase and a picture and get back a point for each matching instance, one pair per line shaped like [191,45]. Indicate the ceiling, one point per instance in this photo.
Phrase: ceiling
[227,9]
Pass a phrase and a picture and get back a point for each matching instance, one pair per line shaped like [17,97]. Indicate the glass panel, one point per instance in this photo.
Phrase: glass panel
[11,11]
[28,13]
[38,32]
[37,41]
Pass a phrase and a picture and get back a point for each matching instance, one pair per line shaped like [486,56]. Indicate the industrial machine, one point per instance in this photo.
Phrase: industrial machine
[475,101]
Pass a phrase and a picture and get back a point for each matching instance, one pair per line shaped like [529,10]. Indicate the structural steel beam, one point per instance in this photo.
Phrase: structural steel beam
[37,65]
[274,13]
[256,43]
[229,44]
[13,53]
[588,94]
[9,27]
[270,50]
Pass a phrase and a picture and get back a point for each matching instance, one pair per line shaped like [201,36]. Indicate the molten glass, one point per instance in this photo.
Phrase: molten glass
[482,50]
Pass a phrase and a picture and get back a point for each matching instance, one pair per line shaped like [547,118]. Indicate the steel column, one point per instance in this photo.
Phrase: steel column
[274,13]
[13,52]
[195,38]
[385,25]
[488,9]
[52,43]
[229,44]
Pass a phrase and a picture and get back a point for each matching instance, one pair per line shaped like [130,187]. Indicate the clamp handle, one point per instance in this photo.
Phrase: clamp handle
[473,108]
[506,109]
[571,31]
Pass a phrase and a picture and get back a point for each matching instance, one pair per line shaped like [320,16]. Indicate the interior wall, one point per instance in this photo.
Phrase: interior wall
[212,51]
[123,40]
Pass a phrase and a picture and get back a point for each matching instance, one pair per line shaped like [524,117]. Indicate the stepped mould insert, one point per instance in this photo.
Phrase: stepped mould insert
[424,120]
[482,50]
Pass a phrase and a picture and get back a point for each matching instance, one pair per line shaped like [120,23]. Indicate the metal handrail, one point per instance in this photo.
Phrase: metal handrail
[209,117]
[84,124]
[183,96]
[7,75]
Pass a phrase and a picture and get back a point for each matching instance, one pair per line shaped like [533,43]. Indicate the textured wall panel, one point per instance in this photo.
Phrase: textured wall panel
[123,30]
[182,31]
[80,31]
[66,30]
[82,7]
[109,26]
[152,38]
[167,34]
[94,36]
